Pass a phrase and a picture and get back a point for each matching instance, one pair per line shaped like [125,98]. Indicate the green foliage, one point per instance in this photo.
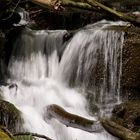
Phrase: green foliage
[25,137]
[138,131]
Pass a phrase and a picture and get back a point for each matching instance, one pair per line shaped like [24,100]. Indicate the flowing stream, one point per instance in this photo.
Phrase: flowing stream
[77,74]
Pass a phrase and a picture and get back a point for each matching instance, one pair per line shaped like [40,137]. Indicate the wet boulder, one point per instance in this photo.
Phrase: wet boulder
[10,116]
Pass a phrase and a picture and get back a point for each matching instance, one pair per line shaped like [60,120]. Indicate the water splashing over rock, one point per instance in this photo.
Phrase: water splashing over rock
[48,71]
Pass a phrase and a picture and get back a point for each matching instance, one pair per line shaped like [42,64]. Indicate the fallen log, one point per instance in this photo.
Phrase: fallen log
[72,120]
[60,5]
[119,131]
[51,4]
[121,15]
[91,5]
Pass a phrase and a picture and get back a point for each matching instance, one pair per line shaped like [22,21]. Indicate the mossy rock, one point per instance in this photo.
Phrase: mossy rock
[10,116]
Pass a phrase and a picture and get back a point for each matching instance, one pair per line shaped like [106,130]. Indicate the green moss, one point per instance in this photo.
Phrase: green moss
[28,137]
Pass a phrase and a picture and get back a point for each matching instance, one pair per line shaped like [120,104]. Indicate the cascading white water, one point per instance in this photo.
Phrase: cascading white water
[92,60]
[43,80]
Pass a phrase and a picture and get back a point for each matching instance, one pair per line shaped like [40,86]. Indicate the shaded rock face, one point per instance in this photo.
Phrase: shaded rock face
[131,65]
[128,115]
[9,116]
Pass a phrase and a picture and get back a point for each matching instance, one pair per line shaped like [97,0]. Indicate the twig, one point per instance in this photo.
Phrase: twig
[32,134]
[12,11]
[3,8]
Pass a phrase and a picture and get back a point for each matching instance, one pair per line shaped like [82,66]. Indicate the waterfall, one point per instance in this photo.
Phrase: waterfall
[92,60]
[74,74]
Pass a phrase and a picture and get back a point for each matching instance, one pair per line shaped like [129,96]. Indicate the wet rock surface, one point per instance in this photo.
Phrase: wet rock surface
[131,65]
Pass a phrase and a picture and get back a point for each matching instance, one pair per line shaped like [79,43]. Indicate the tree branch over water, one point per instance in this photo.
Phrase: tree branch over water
[121,15]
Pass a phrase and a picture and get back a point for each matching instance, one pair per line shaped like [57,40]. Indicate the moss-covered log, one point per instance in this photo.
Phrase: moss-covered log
[119,131]
[127,114]
[121,15]
[62,5]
